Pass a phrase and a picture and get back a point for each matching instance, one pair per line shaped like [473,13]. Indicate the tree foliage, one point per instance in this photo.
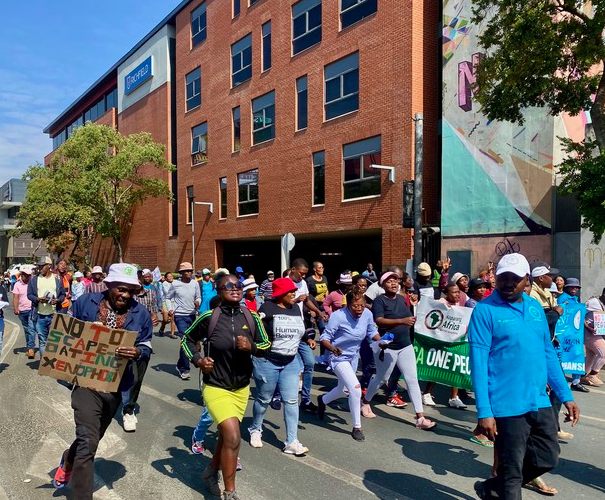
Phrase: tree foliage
[548,53]
[96,178]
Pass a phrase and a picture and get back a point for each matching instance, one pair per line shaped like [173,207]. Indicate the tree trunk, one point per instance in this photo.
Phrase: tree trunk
[118,245]
[597,113]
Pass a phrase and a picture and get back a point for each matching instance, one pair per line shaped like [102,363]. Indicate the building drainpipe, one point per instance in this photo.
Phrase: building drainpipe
[418,147]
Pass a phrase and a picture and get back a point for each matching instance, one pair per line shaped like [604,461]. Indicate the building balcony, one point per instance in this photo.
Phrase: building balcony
[8,224]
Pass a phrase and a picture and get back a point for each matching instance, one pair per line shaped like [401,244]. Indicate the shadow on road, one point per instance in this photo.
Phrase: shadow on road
[582,473]
[3,366]
[179,466]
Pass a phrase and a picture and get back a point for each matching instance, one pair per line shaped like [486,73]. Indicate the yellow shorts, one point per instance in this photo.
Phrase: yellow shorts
[223,404]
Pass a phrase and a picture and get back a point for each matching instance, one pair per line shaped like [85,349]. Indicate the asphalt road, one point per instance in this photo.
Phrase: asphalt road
[395,462]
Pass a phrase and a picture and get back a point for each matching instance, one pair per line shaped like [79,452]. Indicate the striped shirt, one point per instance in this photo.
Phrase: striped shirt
[93,287]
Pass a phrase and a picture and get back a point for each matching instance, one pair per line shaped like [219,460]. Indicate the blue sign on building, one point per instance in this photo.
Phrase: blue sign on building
[138,76]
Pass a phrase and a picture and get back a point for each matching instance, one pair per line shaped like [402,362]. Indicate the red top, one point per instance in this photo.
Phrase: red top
[251,304]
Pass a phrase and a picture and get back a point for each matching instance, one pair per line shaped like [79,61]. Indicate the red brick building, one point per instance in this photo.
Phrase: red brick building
[262,108]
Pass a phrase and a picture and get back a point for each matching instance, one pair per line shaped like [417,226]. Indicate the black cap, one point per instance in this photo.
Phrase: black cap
[477,282]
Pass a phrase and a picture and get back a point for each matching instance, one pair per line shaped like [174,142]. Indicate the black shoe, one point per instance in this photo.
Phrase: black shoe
[357,435]
[275,404]
[480,490]
[321,408]
[308,407]
[579,388]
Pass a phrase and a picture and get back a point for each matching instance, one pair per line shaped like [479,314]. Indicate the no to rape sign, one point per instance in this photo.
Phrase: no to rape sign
[84,353]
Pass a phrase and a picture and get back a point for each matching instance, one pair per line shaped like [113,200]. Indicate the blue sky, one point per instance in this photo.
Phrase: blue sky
[51,52]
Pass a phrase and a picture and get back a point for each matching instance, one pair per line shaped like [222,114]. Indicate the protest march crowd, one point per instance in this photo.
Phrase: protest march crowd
[369,329]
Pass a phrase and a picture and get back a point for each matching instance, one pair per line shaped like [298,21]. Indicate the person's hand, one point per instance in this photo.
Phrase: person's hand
[336,351]
[43,300]
[413,299]
[243,343]
[409,321]
[206,365]
[491,267]
[313,314]
[53,302]
[447,263]
[312,344]
[128,352]
[487,426]
[573,413]
[559,309]
[154,320]
[16,312]
[171,313]
[383,345]
[324,316]
[302,298]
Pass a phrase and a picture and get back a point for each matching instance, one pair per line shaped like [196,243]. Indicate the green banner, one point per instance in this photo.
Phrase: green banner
[446,364]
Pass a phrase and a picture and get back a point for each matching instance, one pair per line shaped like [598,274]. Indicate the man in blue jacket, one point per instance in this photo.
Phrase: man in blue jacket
[512,361]
[93,410]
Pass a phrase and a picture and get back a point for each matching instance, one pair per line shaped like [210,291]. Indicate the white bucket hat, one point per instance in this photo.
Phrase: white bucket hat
[122,273]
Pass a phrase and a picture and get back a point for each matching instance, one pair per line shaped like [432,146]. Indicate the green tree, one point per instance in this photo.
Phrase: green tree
[549,53]
[95,180]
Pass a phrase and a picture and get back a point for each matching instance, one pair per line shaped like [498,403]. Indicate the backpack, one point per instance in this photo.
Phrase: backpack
[216,313]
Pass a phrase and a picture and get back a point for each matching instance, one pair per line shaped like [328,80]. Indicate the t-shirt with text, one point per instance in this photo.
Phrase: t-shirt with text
[319,289]
[285,328]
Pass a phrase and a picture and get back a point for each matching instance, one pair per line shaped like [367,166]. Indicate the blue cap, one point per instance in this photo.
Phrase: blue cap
[238,269]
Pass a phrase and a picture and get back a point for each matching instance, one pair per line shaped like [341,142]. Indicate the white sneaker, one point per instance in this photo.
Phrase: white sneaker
[296,448]
[130,422]
[255,439]
[457,403]
[427,400]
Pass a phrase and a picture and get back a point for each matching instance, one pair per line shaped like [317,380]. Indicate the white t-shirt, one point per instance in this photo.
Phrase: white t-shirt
[373,291]
[594,304]
[301,289]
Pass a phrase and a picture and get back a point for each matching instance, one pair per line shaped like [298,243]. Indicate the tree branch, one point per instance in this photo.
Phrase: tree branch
[569,7]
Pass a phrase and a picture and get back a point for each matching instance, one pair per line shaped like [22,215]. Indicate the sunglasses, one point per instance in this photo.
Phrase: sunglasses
[230,286]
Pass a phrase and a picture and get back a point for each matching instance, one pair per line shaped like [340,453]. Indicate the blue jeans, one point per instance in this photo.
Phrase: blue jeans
[42,327]
[183,322]
[202,426]
[268,376]
[368,366]
[575,378]
[28,328]
[1,333]
[305,355]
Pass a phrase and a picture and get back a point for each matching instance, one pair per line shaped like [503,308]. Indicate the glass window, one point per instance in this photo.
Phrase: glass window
[342,86]
[189,209]
[101,107]
[241,61]
[222,184]
[352,11]
[266,45]
[199,144]
[319,192]
[263,118]
[112,99]
[236,7]
[252,2]
[247,191]
[194,88]
[236,129]
[198,25]
[306,25]
[301,103]
[359,178]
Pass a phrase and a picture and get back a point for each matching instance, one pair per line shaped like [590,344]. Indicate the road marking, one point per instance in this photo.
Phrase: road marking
[592,389]
[592,418]
[13,339]
[171,400]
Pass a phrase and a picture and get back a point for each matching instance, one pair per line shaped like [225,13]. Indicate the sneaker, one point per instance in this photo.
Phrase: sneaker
[130,422]
[564,436]
[296,448]
[185,376]
[424,424]
[457,403]
[230,495]
[238,465]
[30,354]
[321,408]
[61,477]
[396,402]
[579,388]
[366,411]
[210,477]
[363,393]
[172,336]
[357,434]
[308,407]
[427,400]
[255,439]
[197,447]
[275,404]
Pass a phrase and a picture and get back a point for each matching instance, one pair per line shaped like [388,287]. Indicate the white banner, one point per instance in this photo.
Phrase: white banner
[599,323]
[436,320]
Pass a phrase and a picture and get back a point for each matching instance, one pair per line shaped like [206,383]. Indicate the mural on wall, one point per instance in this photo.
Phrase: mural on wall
[497,176]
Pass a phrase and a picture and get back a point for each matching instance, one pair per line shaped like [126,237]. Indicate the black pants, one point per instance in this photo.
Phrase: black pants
[527,447]
[131,396]
[93,412]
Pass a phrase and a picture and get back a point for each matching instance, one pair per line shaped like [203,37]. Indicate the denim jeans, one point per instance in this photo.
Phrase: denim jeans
[29,329]
[306,357]
[183,322]
[202,426]
[267,376]
[368,367]
[1,333]
[42,327]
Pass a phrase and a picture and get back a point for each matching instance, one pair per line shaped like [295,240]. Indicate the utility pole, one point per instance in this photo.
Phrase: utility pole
[418,153]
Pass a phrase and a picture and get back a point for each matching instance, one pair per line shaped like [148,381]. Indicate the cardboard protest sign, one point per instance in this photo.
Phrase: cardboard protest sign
[84,353]
[569,331]
[599,323]
[447,364]
[435,320]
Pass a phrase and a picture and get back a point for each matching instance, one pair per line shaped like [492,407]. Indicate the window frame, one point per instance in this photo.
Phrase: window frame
[195,42]
[266,47]
[298,101]
[315,166]
[203,158]
[236,7]
[248,200]
[308,31]
[351,8]
[222,215]
[264,114]
[187,83]
[235,149]
[340,76]
[243,68]
[361,154]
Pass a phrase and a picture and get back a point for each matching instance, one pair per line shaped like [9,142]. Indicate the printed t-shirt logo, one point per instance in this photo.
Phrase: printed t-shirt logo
[534,312]
[576,320]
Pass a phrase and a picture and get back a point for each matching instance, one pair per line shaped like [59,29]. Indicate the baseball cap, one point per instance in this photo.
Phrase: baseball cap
[575,282]
[457,276]
[122,273]
[476,283]
[345,279]
[27,269]
[205,271]
[424,269]
[387,275]
[249,284]
[78,274]
[513,263]
[239,269]
[97,270]
[281,286]
[146,271]
[45,260]
[185,266]
[542,269]
[270,273]
[553,288]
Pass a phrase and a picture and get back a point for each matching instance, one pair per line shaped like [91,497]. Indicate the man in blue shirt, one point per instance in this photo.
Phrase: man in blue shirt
[510,348]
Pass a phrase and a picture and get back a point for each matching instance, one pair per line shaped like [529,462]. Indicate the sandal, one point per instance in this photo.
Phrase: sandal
[61,476]
[540,486]
[482,442]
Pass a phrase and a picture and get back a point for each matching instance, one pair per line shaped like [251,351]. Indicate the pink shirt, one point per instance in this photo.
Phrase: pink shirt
[20,289]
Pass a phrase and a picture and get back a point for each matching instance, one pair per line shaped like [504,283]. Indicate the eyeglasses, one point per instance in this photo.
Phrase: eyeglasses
[230,286]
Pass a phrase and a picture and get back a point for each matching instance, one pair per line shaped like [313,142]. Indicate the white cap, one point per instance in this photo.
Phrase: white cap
[540,271]
[457,277]
[122,273]
[78,274]
[27,269]
[146,271]
[205,271]
[553,288]
[249,284]
[96,270]
[513,263]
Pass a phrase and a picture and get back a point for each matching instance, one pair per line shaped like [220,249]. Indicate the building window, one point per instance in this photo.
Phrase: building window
[222,185]
[194,89]
[306,25]
[359,179]
[247,187]
[236,8]
[263,118]
[319,168]
[241,61]
[352,11]
[236,130]
[189,210]
[199,144]
[252,2]
[301,103]
[198,25]
[266,45]
[342,86]
[112,99]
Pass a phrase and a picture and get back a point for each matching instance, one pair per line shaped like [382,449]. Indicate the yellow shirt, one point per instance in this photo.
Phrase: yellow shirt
[543,296]
[46,285]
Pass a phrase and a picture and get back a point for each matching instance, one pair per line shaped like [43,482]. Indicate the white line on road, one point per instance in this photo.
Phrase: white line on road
[13,339]
[592,418]
[171,400]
